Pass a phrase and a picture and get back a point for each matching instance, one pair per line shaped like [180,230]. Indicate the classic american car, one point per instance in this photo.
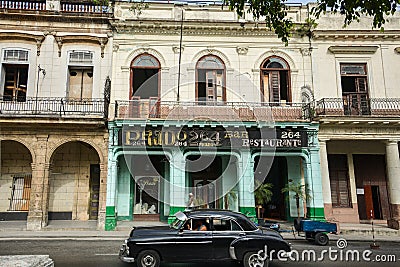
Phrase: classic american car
[203,235]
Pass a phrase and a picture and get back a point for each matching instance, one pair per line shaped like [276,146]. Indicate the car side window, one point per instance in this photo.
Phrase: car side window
[224,225]
[235,226]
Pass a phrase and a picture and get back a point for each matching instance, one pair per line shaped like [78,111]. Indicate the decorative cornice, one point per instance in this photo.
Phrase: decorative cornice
[343,49]
[102,41]
[355,35]
[192,29]
[35,38]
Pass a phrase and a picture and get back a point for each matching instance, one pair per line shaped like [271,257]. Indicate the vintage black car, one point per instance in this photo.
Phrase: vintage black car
[203,235]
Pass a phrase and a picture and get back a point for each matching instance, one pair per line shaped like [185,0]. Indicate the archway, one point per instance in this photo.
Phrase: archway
[74,183]
[15,180]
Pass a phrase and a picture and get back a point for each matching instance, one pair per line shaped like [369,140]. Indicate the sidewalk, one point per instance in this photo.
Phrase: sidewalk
[86,230]
[351,232]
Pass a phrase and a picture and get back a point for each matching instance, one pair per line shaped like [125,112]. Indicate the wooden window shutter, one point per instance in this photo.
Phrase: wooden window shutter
[274,86]
[361,85]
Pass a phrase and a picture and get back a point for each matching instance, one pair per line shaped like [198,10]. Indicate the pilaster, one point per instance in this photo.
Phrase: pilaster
[393,174]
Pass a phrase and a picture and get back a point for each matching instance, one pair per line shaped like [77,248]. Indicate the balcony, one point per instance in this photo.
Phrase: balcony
[209,111]
[45,107]
[373,107]
[58,6]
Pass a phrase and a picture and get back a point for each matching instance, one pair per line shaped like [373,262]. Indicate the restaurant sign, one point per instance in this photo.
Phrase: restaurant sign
[214,137]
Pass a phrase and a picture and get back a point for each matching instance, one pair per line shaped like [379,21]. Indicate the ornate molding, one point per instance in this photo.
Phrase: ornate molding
[275,52]
[242,50]
[359,49]
[306,51]
[212,51]
[175,49]
[61,40]
[170,28]
[35,38]
[356,35]
[142,50]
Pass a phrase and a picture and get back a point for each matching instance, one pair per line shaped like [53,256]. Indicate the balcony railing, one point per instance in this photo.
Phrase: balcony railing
[209,111]
[378,107]
[63,7]
[53,107]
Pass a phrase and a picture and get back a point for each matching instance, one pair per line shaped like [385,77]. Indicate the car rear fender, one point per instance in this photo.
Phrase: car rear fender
[239,247]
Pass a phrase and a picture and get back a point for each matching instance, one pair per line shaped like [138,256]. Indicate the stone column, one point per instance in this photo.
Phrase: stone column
[111,220]
[178,195]
[315,206]
[246,185]
[393,173]
[326,185]
[101,217]
[38,211]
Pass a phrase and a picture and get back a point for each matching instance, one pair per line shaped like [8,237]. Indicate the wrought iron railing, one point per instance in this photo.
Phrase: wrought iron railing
[61,107]
[64,7]
[358,107]
[210,111]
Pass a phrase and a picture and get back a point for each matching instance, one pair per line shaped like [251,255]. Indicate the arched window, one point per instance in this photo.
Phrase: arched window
[275,80]
[145,77]
[210,79]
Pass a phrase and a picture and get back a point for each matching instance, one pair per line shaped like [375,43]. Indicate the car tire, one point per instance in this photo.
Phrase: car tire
[252,259]
[321,239]
[148,258]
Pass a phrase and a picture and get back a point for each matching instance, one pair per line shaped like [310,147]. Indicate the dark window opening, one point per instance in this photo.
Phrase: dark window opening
[145,77]
[15,83]
[355,89]
[145,83]
[376,202]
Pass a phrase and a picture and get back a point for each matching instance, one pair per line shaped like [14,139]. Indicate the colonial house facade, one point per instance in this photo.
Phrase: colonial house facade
[55,60]
[207,103]
[357,106]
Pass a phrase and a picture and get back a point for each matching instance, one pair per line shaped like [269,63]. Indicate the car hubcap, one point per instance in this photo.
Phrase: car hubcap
[255,261]
[148,260]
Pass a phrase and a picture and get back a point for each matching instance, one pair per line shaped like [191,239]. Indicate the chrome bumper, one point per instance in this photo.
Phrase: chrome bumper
[124,254]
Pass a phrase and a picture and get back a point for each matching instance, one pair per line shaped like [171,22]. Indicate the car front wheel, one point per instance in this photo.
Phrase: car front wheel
[148,258]
[253,259]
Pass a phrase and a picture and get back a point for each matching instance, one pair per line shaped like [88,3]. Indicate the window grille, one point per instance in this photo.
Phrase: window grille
[20,194]
[15,55]
[81,57]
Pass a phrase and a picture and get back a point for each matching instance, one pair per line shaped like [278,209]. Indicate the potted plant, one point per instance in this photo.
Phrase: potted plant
[301,193]
[262,195]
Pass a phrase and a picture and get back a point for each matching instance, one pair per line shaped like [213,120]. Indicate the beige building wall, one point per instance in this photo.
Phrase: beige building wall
[15,159]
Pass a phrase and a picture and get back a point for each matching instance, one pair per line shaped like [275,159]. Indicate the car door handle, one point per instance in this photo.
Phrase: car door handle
[242,234]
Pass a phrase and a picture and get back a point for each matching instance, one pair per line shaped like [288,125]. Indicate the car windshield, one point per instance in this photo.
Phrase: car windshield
[177,224]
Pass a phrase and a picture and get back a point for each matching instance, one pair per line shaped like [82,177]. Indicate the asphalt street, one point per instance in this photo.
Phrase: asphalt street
[91,253]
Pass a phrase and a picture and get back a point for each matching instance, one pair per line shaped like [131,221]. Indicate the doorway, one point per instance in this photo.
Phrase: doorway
[372,197]
[94,185]
[278,177]
[203,173]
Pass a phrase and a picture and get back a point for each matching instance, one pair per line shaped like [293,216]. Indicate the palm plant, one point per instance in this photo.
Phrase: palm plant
[262,195]
[300,191]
